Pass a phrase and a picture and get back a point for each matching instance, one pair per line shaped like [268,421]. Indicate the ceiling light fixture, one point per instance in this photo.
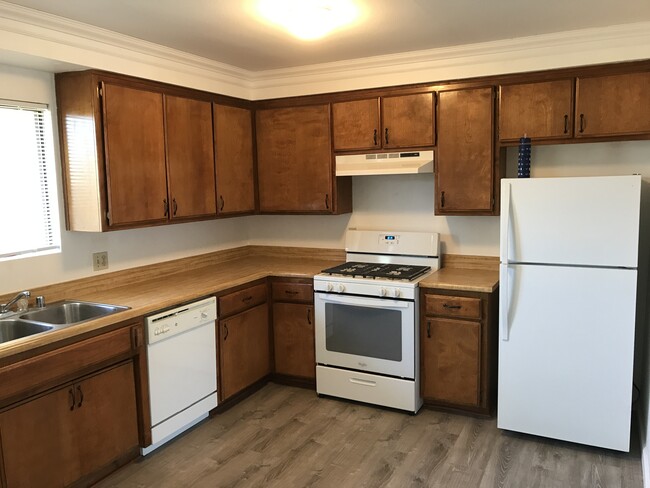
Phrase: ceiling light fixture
[309,19]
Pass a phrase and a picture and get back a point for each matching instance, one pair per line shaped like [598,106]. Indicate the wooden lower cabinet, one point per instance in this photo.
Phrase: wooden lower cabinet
[245,354]
[64,436]
[458,349]
[293,340]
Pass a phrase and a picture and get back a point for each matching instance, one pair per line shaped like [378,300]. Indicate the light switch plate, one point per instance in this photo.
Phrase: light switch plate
[100,260]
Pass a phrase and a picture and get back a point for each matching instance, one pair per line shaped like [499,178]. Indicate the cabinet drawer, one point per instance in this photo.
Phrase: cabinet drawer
[295,292]
[66,363]
[449,306]
[241,300]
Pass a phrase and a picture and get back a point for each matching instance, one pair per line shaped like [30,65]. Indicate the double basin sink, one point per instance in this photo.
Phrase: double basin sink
[55,316]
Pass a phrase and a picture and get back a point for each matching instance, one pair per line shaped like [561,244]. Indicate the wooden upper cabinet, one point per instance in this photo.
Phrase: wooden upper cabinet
[190,157]
[408,120]
[294,159]
[613,105]
[233,141]
[356,125]
[134,143]
[537,110]
[390,122]
[464,180]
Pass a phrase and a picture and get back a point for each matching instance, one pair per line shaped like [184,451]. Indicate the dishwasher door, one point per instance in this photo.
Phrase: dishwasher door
[182,360]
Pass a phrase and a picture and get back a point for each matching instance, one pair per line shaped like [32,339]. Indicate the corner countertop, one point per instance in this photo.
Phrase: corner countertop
[187,284]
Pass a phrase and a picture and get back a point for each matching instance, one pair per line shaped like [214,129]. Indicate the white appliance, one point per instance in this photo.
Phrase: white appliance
[366,318]
[394,163]
[568,307]
[182,360]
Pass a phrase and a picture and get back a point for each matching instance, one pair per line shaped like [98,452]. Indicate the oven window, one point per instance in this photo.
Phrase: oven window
[363,331]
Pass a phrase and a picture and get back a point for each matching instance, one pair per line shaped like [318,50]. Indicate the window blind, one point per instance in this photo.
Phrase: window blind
[28,201]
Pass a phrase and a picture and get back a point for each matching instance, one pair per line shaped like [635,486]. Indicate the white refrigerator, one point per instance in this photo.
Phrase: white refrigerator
[568,307]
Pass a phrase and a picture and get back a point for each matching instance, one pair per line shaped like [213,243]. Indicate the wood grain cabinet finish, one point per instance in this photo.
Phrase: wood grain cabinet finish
[134,143]
[458,350]
[244,350]
[67,435]
[294,160]
[540,111]
[293,329]
[190,158]
[465,180]
[389,122]
[613,105]
[233,141]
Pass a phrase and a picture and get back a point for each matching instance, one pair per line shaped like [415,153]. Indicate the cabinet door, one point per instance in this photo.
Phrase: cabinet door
[105,418]
[451,361]
[537,110]
[244,351]
[613,105]
[233,140]
[355,125]
[293,339]
[294,159]
[190,157]
[465,166]
[37,440]
[134,145]
[408,120]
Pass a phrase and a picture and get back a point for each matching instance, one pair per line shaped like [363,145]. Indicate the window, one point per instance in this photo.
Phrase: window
[29,215]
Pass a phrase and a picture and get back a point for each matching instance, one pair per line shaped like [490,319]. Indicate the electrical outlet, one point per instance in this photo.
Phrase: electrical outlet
[100,260]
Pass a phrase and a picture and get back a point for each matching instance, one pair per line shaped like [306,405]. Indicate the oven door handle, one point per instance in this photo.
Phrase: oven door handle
[366,302]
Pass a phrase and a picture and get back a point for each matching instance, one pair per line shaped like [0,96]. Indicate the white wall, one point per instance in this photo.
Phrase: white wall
[127,248]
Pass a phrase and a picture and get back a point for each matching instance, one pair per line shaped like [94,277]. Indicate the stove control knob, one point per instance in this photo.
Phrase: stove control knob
[383,292]
[341,288]
[397,293]
[330,287]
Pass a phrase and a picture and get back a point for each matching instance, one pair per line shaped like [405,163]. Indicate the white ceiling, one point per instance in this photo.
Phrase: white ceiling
[225,31]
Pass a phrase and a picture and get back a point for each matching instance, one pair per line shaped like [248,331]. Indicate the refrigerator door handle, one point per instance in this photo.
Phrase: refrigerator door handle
[505,228]
[504,301]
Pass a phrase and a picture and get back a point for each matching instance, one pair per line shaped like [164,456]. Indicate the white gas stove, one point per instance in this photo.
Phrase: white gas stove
[367,346]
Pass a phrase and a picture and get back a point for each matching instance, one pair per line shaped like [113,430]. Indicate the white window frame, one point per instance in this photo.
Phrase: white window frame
[47,181]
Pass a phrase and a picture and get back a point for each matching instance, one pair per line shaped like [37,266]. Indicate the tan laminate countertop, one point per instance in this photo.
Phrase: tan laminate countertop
[146,297]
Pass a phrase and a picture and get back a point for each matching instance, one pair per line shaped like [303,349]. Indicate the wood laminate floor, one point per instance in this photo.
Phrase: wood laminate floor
[288,437]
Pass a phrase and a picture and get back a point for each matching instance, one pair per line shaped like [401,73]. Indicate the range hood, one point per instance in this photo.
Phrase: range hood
[398,163]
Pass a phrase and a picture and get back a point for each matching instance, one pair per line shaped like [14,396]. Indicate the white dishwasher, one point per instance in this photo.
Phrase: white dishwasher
[182,360]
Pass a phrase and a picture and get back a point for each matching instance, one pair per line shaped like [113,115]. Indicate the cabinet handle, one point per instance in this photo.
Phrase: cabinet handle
[222,203]
[81,396]
[582,123]
[566,124]
[291,292]
[442,199]
[374,137]
[226,329]
[71,398]
[175,205]
[429,330]
[327,201]
[166,207]
[386,135]
[452,307]
[309,316]
[247,299]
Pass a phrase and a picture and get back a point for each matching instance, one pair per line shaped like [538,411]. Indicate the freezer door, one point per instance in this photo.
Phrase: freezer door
[566,353]
[579,221]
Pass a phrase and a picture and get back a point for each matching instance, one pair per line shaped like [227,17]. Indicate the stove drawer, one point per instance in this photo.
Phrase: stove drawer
[449,306]
[368,388]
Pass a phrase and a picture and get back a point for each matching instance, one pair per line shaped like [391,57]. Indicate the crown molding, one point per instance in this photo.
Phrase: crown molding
[33,33]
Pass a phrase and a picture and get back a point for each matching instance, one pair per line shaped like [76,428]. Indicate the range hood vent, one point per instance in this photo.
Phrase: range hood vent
[398,163]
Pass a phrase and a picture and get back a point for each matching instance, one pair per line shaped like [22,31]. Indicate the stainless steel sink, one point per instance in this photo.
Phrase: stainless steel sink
[71,312]
[11,329]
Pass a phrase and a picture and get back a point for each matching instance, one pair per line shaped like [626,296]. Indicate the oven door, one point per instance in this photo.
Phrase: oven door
[370,334]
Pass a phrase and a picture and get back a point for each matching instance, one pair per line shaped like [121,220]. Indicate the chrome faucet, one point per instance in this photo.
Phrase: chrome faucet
[5,307]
